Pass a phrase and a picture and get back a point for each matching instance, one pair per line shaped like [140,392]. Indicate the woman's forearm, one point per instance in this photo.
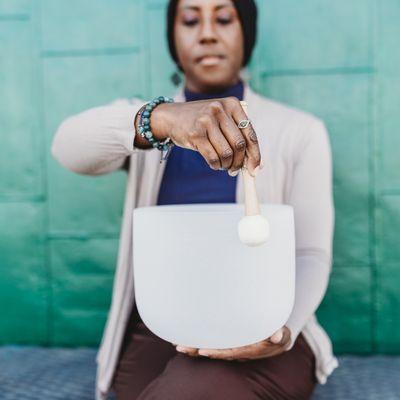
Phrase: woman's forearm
[310,194]
[97,141]
[312,277]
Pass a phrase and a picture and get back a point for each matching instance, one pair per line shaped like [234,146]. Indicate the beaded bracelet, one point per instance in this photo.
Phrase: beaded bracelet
[144,127]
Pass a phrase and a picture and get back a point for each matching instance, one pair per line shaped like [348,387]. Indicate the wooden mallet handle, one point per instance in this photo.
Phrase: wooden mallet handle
[252,206]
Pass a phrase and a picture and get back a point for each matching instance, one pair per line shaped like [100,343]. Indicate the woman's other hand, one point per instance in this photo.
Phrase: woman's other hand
[274,345]
[209,127]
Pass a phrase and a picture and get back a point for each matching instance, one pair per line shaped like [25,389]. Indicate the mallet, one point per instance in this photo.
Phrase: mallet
[253,228]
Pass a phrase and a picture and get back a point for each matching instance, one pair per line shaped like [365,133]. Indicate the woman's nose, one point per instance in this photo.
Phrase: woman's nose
[207,33]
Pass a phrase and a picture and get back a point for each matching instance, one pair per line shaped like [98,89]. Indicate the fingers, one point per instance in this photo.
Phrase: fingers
[286,337]
[252,147]
[217,354]
[220,144]
[277,336]
[235,138]
[206,149]
[226,137]
[274,345]
[267,348]
[191,351]
[281,337]
[236,353]
[243,353]
[219,140]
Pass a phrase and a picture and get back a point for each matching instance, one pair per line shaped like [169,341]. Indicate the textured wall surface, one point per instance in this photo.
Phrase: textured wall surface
[59,231]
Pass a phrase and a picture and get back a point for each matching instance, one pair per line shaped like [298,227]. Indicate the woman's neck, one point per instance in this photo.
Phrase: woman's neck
[235,90]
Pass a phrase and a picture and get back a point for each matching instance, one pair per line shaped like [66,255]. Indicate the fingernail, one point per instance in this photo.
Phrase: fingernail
[261,165]
[276,337]
[203,353]
[233,173]
[180,349]
[256,170]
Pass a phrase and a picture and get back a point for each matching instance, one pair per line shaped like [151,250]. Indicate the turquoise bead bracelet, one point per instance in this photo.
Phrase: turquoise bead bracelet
[144,126]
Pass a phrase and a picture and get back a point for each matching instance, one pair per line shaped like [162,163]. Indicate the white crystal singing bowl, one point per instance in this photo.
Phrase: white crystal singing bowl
[197,285]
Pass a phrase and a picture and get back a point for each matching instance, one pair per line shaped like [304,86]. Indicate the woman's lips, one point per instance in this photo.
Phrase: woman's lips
[209,61]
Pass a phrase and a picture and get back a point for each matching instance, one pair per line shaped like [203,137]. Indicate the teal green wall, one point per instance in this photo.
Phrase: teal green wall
[59,231]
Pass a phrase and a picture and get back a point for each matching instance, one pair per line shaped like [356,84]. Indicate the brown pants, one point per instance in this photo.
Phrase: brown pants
[150,368]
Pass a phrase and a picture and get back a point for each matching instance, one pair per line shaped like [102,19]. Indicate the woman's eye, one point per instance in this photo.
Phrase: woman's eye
[190,22]
[220,20]
[224,21]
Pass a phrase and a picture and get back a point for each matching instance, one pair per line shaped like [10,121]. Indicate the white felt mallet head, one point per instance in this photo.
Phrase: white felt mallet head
[253,228]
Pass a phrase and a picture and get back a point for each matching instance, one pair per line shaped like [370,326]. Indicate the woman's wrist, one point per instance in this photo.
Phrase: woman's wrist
[145,125]
[159,126]
[138,140]
[160,123]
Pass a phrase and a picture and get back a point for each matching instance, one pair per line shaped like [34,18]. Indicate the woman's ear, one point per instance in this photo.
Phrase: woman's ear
[176,78]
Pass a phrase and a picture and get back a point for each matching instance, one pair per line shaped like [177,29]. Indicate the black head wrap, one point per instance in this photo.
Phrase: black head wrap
[247,11]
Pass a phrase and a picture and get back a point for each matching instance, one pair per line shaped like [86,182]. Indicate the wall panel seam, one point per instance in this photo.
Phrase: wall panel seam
[90,52]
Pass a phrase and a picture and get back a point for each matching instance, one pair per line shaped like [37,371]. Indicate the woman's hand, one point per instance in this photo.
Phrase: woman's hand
[274,345]
[209,127]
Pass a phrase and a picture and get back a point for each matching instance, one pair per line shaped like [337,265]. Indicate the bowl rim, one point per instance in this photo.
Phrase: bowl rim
[205,207]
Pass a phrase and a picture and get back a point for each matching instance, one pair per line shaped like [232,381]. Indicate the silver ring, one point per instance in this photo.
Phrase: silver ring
[244,123]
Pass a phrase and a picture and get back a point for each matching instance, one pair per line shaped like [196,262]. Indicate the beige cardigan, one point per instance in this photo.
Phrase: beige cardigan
[296,152]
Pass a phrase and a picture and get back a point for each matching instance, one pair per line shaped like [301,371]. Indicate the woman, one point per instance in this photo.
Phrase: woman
[211,41]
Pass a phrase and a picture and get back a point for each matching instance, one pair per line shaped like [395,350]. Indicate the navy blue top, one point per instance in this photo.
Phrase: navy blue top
[188,178]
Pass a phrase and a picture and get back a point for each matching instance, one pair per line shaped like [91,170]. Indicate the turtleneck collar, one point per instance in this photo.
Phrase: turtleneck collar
[236,90]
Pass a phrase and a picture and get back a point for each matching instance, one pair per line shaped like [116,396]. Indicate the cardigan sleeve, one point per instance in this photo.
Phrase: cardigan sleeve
[97,141]
[311,197]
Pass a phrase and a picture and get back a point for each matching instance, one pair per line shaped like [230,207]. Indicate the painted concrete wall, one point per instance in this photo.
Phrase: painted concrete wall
[59,231]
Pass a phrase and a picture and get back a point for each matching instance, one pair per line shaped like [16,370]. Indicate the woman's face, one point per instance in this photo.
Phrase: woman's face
[209,43]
